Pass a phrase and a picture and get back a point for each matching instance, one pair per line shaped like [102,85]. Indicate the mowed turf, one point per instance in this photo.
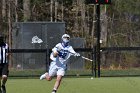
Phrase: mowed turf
[76,85]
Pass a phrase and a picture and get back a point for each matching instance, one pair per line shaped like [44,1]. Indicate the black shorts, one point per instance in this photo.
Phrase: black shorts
[4,69]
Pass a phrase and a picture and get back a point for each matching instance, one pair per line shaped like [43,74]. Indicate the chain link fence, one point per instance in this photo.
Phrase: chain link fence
[31,48]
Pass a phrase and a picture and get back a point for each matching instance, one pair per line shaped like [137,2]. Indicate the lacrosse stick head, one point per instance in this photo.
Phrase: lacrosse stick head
[65,39]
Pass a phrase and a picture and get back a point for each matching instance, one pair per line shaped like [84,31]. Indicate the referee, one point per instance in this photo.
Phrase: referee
[3,64]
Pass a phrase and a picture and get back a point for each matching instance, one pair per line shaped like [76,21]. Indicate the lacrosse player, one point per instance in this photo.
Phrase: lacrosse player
[59,56]
[3,64]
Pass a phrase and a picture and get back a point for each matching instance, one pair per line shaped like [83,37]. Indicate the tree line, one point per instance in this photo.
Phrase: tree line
[119,21]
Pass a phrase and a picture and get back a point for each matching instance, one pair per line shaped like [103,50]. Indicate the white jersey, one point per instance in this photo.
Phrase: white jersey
[3,53]
[64,54]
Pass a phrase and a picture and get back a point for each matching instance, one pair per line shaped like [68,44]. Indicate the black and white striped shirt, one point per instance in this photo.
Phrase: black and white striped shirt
[3,53]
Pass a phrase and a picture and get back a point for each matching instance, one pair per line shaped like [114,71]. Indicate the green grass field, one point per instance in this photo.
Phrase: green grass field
[76,85]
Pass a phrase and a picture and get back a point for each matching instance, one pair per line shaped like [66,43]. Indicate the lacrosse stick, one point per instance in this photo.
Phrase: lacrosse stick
[83,57]
[87,58]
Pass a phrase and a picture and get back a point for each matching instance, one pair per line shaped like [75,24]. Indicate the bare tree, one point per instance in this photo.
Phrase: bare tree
[3,8]
[83,24]
[62,9]
[51,10]
[9,23]
[104,23]
[0,16]
[16,12]
[27,11]
[76,18]
[56,8]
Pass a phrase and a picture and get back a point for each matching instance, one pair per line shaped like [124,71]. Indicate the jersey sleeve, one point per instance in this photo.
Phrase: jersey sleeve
[55,48]
[71,50]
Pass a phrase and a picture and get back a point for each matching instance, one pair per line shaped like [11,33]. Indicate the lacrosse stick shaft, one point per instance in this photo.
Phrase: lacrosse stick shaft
[83,57]
[86,58]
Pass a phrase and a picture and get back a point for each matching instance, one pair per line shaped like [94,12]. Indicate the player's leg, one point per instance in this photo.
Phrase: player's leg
[0,77]
[43,76]
[5,72]
[60,74]
[57,83]
[48,75]
[3,82]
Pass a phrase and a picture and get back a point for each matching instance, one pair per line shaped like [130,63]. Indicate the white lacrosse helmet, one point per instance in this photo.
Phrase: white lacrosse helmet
[66,35]
[65,39]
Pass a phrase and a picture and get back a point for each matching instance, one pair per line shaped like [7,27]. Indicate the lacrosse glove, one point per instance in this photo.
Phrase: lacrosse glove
[76,54]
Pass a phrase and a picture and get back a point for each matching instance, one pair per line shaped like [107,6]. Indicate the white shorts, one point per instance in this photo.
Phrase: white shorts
[55,70]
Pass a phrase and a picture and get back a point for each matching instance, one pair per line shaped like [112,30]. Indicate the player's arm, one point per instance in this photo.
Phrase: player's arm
[71,50]
[54,54]
[56,50]
[7,50]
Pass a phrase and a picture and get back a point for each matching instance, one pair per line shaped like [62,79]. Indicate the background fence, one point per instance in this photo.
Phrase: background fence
[115,62]
[32,44]
[26,65]
[120,61]
[32,59]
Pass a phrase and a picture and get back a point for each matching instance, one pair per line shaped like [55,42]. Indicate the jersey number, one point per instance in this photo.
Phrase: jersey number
[63,54]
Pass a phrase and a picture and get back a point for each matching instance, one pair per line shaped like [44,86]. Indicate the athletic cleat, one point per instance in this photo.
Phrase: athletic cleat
[3,88]
[54,91]
[43,76]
